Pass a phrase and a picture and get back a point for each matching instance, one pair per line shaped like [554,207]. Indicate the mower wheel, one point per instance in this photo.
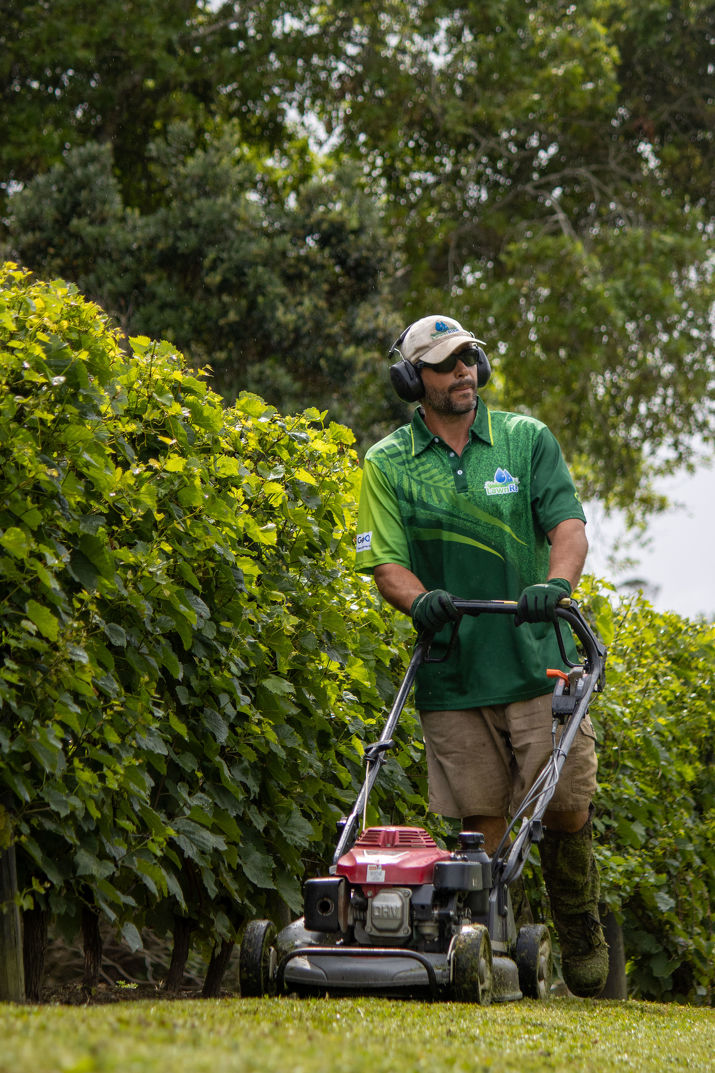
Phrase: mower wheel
[472,969]
[534,961]
[257,960]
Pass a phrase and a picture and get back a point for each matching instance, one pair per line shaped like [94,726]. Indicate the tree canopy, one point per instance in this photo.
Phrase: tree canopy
[280,188]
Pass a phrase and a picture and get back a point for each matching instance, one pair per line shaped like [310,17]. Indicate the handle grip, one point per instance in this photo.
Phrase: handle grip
[566,611]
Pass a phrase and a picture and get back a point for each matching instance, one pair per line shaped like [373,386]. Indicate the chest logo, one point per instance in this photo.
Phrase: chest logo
[503,483]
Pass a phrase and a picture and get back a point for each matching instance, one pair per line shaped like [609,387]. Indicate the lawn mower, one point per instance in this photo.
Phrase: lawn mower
[399,915]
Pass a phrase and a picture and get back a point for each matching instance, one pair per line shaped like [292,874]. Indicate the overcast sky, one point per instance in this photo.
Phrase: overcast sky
[680,560]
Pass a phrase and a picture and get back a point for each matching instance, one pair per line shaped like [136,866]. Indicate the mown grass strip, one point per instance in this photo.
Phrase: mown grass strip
[356,1035]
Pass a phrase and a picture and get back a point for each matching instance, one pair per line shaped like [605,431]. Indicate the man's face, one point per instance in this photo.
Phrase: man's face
[450,393]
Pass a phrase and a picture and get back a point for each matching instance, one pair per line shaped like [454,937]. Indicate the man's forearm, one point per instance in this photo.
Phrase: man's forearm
[569,547]
[398,585]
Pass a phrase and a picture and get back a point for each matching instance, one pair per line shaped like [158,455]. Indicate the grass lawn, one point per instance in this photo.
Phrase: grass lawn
[355,1035]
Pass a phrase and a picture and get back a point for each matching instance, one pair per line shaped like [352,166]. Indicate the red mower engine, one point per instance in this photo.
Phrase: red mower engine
[396,887]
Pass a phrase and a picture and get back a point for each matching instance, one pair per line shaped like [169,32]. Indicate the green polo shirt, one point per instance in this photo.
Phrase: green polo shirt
[476,526]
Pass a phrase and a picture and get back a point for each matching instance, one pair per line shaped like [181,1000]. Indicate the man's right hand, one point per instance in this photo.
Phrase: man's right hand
[432,610]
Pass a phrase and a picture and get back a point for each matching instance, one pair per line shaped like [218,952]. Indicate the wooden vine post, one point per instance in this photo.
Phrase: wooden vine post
[12,974]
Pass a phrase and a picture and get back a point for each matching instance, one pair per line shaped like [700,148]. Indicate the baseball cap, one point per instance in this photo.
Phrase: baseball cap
[432,339]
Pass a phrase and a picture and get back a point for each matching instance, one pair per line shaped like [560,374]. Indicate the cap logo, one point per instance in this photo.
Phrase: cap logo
[441,328]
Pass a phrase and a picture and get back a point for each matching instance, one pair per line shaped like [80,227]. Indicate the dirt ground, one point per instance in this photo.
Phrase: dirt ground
[125,976]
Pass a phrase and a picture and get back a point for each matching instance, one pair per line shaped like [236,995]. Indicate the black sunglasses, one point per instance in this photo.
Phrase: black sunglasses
[468,357]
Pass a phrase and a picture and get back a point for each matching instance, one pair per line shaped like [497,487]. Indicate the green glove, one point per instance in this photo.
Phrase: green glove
[432,610]
[538,603]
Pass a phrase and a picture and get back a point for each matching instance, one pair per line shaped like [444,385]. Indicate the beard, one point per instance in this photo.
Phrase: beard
[458,398]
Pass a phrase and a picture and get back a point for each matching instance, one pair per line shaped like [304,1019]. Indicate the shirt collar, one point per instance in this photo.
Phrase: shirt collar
[481,429]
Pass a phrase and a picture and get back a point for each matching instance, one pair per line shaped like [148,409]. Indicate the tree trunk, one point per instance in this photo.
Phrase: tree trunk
[12,975]
[92,942]
[34,926]
[217,967]
[179,955]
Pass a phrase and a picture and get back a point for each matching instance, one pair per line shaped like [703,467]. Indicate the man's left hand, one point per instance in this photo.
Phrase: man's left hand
[538,603]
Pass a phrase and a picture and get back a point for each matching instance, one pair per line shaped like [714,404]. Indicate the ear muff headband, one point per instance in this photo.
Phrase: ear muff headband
[406,379]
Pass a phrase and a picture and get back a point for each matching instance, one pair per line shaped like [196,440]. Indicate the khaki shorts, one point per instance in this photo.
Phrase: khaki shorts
[482,761]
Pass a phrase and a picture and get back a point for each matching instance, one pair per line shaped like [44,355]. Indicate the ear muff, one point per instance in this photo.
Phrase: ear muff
[484,369]
[405,379]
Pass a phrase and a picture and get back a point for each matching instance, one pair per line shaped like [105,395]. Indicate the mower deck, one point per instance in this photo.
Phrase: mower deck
[306,965]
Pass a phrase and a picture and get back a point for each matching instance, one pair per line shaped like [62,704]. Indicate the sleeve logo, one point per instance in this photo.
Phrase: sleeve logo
[364,541]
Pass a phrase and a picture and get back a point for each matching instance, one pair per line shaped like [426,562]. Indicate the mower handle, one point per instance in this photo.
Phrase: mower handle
[567,611]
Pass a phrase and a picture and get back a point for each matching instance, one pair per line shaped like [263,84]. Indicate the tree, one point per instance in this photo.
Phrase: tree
[123,75]
[553,195]
[523,164]
[271,272]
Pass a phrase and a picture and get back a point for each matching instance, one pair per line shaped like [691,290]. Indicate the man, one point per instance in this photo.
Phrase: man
[479,504]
